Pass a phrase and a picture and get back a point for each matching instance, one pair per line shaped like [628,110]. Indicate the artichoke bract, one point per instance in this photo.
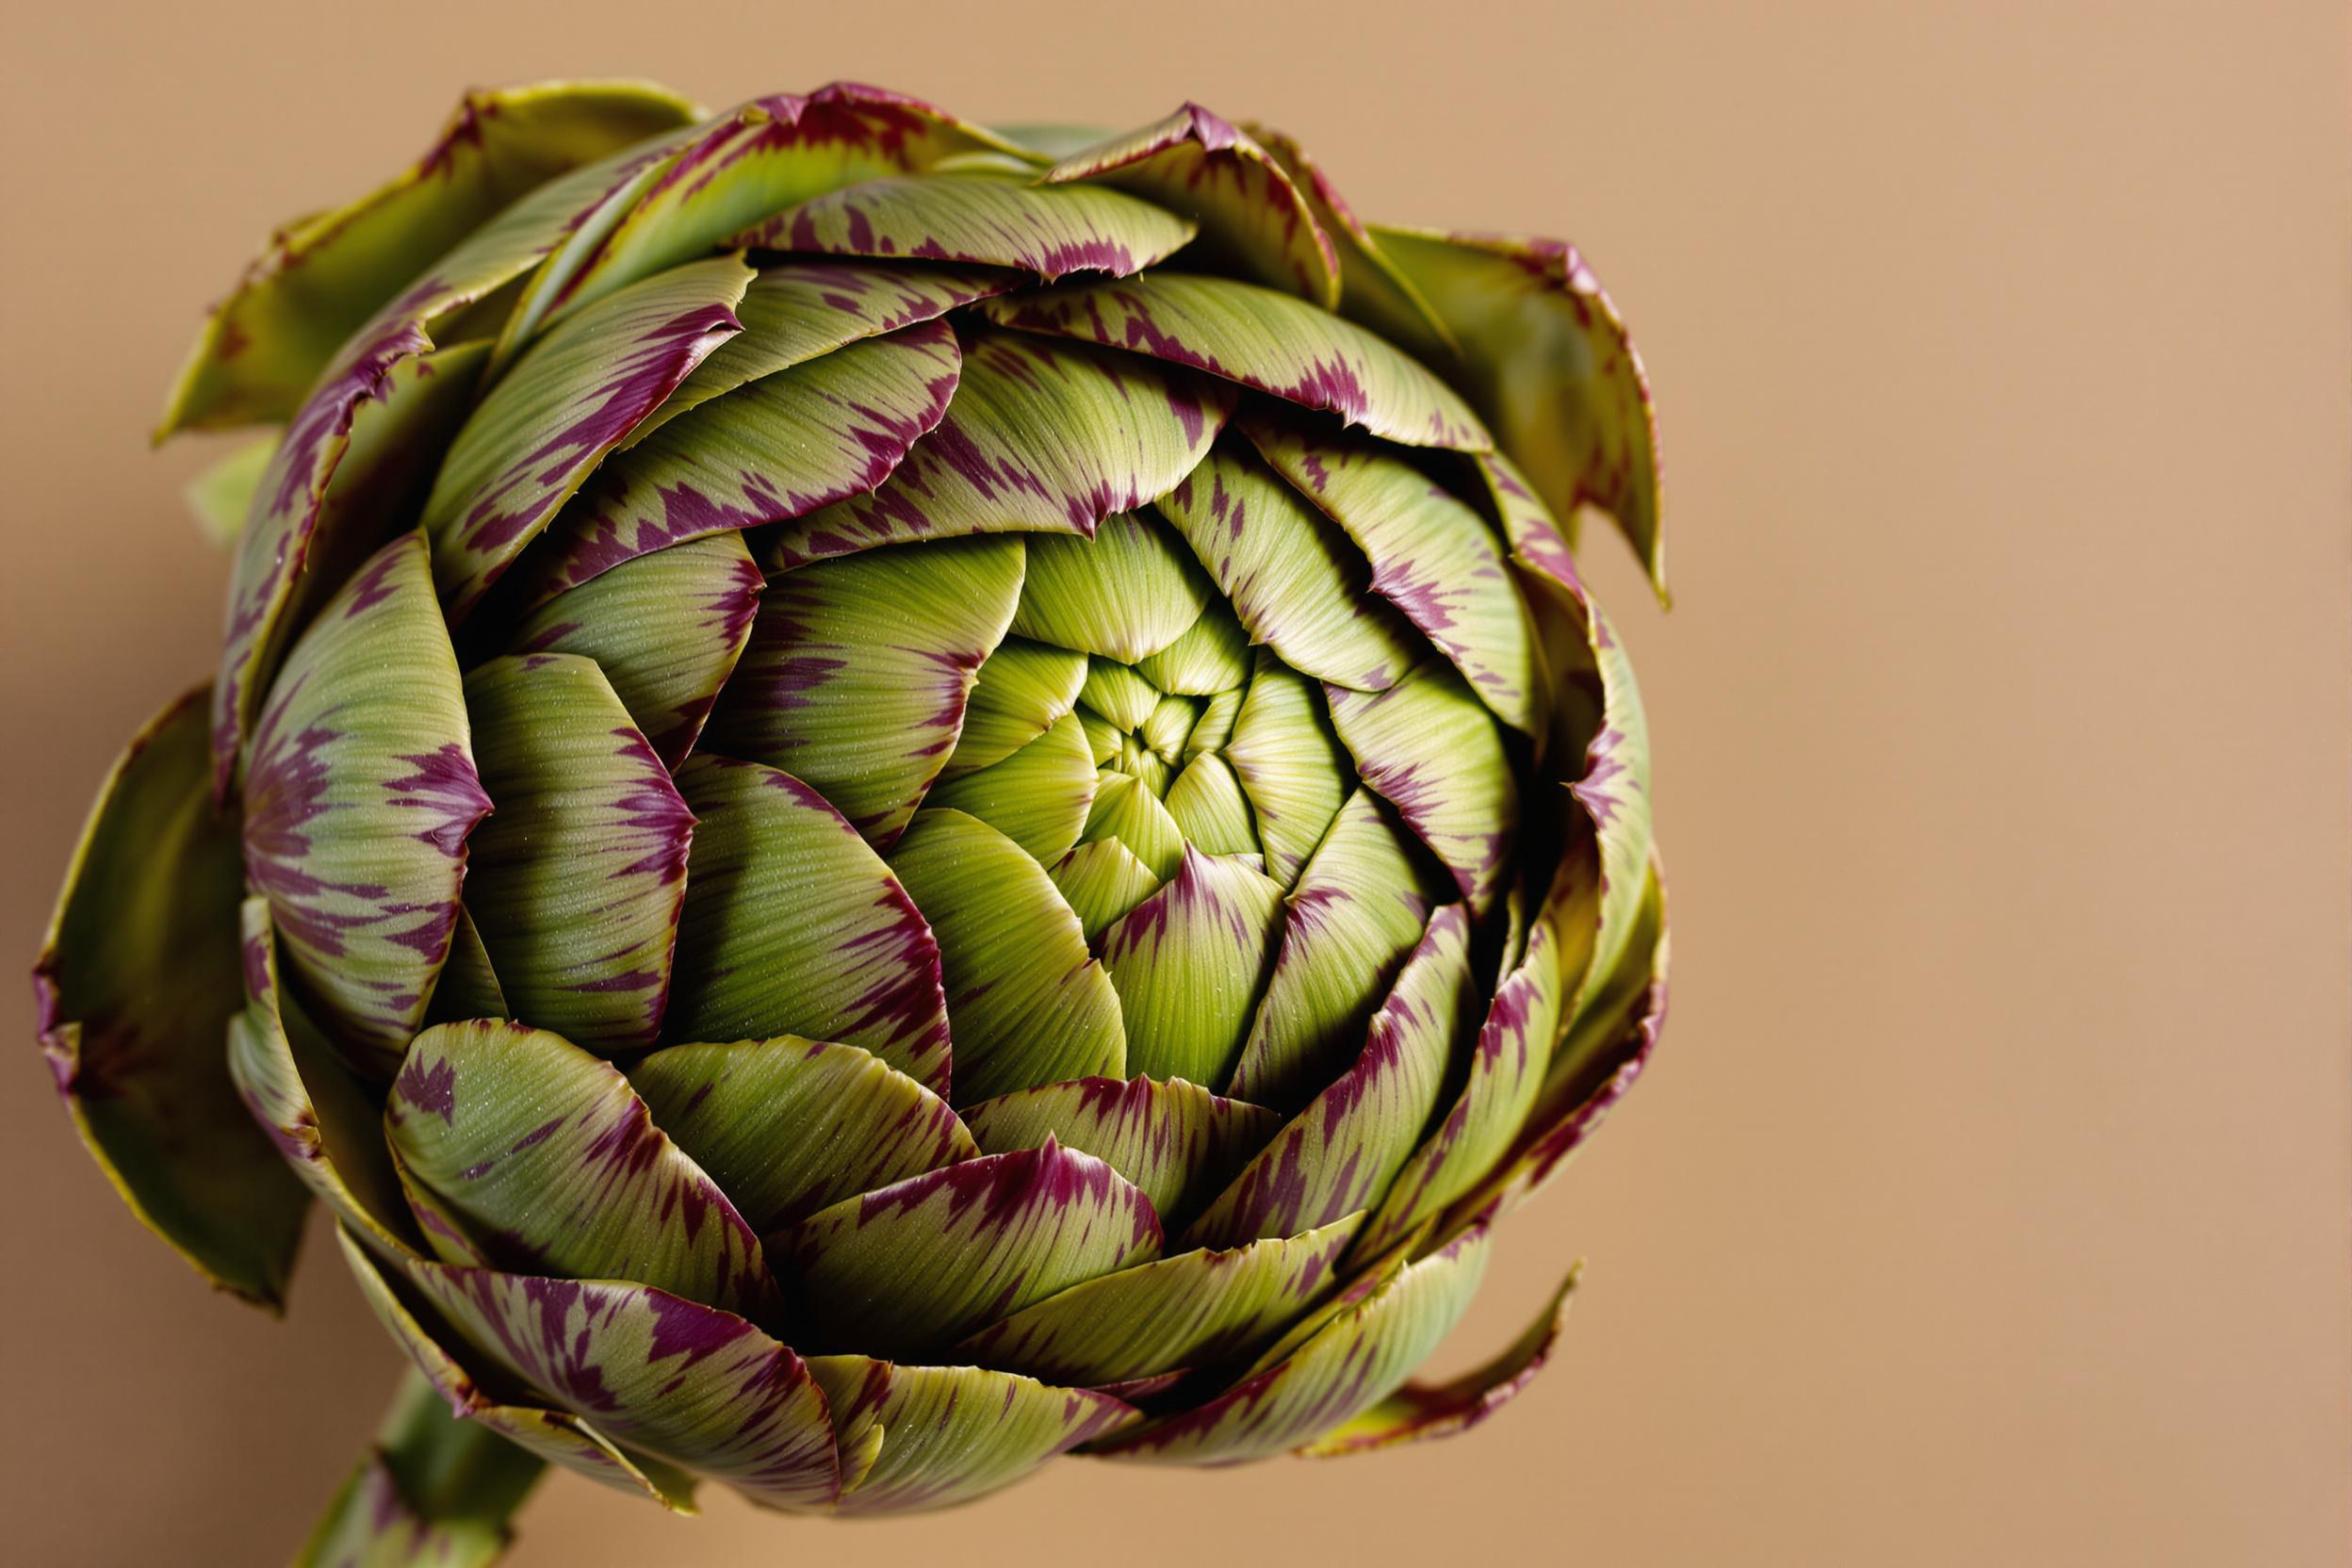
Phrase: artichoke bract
[882,800]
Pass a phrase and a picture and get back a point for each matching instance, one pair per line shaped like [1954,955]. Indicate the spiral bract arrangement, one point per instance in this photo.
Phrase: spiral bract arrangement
[902,798]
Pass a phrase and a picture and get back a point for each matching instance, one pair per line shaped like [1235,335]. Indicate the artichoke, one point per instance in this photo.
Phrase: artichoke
[882,800]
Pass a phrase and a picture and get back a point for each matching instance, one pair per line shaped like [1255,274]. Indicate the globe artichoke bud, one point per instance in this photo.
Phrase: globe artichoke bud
[882,800]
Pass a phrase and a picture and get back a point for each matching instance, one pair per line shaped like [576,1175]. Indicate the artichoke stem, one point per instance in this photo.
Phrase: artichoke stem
[432,1487]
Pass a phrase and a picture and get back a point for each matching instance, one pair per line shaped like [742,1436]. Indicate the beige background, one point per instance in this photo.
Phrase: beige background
[1988,1200]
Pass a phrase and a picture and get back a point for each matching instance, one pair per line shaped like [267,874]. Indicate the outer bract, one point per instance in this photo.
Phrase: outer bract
[882,800]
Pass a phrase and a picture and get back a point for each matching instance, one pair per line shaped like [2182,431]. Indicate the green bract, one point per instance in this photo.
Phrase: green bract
[876,807]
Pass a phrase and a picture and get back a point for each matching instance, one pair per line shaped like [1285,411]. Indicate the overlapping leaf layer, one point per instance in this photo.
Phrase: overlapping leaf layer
[902,807]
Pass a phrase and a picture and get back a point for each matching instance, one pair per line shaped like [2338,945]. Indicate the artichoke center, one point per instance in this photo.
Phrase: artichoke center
[1152,751]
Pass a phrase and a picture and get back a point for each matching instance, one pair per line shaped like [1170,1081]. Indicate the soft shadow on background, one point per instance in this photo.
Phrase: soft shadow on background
[1988,1200]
